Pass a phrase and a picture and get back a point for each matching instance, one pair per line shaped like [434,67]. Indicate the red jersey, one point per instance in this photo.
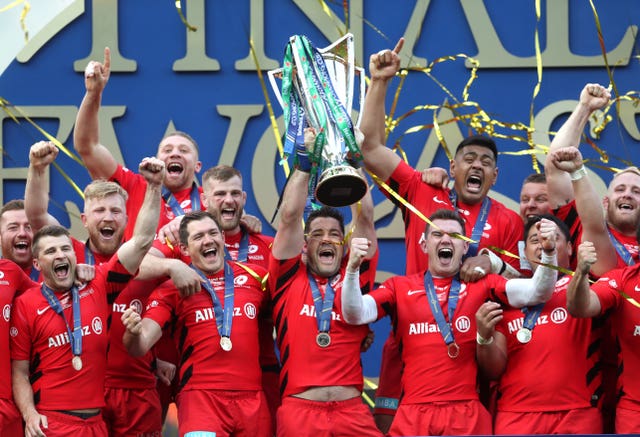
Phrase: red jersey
[123,370]
[625,318]
[503,228]
[204,365]
[13,282]
[304,363]
[438,378]
[39,335]
[136,186]
[569,215]
[558,369]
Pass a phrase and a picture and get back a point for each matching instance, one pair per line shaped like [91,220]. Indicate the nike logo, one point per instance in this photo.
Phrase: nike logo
[637,288]
[41,311]
[435,199]
[410,292]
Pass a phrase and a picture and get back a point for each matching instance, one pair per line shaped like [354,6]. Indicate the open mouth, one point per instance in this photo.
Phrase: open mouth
[626,207]
[474,183]
[174,168]
[326,255]
[445,253]
[210,254]
[61,270]
[21,245]
[107,232]
[228,213]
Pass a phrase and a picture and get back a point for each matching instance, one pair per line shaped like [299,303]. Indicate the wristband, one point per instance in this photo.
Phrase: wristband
[578,174]
[483,341]
[302,162]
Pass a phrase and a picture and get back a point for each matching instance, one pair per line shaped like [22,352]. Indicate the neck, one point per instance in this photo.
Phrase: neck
[627,231]
[233,231]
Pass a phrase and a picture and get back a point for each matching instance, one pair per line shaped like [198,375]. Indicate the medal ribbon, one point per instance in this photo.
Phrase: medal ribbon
[75,336]
[175,205]
[531,315]
[621,250]
[478,227]
[434,305]
[224,316]
[243,249]
[323,306]
[34,274]
[88,255]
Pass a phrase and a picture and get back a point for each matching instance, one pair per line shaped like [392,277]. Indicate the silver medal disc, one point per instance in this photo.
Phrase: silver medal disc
[225,344]
[524,335]
[76,362]
[323,339]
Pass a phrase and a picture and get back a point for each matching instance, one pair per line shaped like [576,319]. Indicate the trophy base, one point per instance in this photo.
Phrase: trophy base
[340,185]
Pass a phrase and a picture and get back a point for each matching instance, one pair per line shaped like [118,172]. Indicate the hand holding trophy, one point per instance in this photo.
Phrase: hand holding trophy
[317,91]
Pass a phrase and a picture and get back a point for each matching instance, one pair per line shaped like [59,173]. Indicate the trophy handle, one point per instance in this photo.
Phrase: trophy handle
[361,75]
[273,74]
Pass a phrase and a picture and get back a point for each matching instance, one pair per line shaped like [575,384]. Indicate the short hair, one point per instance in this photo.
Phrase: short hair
[535,178]
[12,205]
[632,169]
[193,216]
[47,231]
[324,211]
[531,221]
[445,214]
[221,172]
[100,188]
[179,133]
[482,141]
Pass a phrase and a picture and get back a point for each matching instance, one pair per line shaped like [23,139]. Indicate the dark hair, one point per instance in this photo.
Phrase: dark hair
[193,216]
[482,141]
[324,211]
[535,178]
[536,218]
[47,231]
[445,214]
[221,173]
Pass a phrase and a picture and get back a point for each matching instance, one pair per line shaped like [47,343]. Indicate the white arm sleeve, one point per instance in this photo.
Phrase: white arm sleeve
[535,290]
[356,308]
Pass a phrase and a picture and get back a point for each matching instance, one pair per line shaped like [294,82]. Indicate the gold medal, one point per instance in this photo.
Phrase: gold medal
[453,350]
[225,344]
[323,339]
[76,362]
[524,335]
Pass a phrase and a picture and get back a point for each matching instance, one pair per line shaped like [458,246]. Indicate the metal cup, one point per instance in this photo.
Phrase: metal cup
[323,82]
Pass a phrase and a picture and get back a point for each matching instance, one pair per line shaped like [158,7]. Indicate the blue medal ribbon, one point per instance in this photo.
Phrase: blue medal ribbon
[434,305]
[621,250]
[531,315]
[175,205]
[88,255]
[224,316]
[243,249]
[75,336]
[323,306]
[34,274]
[478,227]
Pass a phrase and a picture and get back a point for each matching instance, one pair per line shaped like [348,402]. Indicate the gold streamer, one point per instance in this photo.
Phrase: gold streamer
[190,27]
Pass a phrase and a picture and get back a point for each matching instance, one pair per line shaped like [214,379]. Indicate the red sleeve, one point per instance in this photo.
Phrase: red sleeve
[20,331]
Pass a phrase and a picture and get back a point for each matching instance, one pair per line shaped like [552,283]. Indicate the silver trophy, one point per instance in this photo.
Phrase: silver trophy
[317,86]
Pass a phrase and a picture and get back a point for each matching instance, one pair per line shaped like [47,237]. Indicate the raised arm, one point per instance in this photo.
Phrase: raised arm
[589,207]
[539,288]
[592,97]
[357,309]
[36,195]
[378,158]
[140,334]
[133,251]
[289,239]
[86,135]
[581,300]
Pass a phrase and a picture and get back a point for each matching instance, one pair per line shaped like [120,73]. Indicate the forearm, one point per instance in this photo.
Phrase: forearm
[23,393]
[492,358]
[373,124]
[36,198]
[538,289]
[153,267]
[289,238]
[356,308]
[86,134]
[579,296]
